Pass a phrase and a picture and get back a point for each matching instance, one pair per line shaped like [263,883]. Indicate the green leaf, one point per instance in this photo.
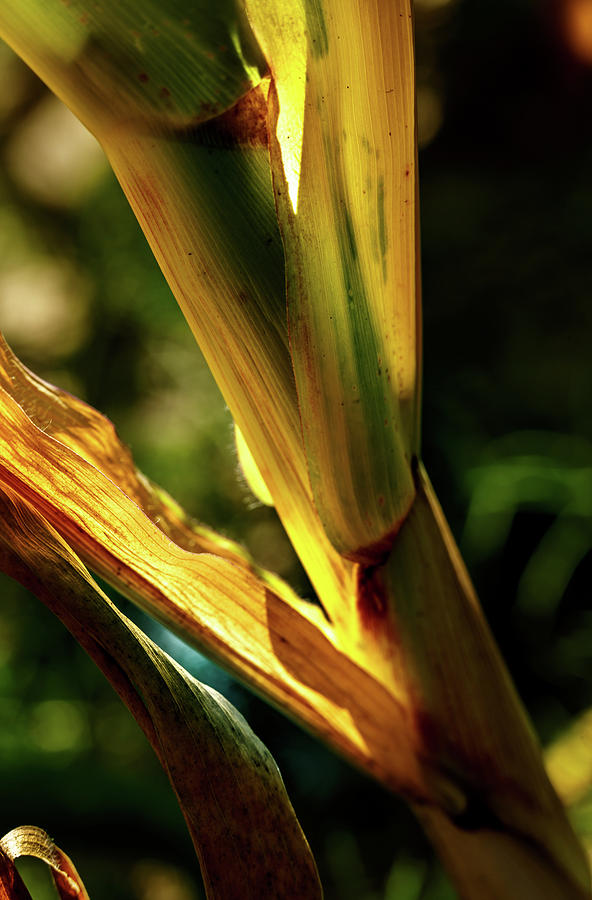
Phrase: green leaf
[349,221]
[156,66]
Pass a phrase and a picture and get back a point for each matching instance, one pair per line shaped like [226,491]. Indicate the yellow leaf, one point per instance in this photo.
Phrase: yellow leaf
[184,161]
[28,840]
[92,436]
[243,826]
[53,449]
[351,249]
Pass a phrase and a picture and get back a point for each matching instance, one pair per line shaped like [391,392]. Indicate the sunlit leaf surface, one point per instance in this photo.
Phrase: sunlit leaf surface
[185,159]
[244,829]
[65,460]
[350,243]
[28,840]
[88,433]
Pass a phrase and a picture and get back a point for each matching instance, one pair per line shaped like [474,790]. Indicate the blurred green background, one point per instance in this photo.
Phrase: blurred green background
[505,92]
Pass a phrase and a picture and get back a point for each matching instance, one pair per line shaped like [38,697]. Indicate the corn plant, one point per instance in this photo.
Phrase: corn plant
[268,150]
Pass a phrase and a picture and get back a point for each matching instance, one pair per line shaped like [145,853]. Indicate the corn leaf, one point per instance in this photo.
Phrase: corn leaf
[28,840]
[244,829]
[65,459]
[227,274]
[348,213]
[88,433]
[173,66]
[183,161]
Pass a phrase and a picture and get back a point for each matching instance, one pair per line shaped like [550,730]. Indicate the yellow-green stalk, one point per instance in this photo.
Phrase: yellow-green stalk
[343,154]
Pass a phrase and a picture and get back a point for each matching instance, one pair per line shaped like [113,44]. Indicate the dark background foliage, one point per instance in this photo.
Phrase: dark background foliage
[505,95]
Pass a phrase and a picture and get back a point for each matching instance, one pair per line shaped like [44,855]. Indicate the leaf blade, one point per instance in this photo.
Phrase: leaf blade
[29,840]
[351,250]
[245,619]
[121,62]
[226,272]
[243,826]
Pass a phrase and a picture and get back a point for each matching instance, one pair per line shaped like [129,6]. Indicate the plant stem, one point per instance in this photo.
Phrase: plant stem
[498,824]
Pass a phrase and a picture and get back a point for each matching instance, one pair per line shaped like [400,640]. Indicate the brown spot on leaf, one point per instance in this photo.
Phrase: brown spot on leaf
[246,121]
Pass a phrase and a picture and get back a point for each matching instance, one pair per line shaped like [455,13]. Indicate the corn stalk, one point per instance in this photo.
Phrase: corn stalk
[268,150]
